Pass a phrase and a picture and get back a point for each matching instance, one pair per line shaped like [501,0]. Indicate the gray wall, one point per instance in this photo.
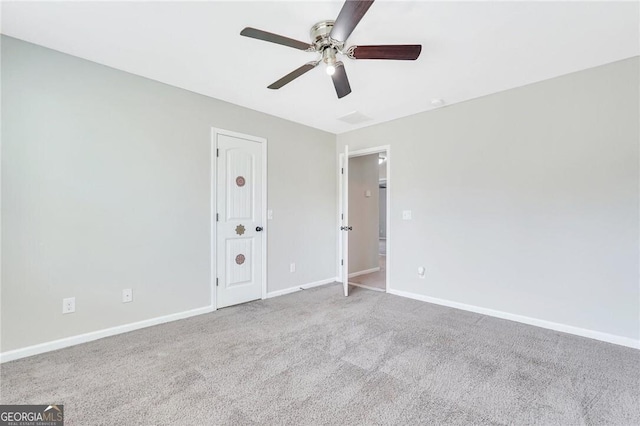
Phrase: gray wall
[363,213]
[106,185]
[525,201]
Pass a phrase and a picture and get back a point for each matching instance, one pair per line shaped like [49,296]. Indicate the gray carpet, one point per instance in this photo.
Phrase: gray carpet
[315,357]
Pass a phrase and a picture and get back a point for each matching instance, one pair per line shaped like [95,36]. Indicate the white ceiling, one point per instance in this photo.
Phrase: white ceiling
[470,49]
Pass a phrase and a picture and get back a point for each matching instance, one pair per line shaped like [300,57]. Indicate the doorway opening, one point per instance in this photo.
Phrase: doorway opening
[364,210]
[367,241]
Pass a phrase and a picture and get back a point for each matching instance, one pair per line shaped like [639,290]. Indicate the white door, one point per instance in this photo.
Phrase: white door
[344,222]
[239,233]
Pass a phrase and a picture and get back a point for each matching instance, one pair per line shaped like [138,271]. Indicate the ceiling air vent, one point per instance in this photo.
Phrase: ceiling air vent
[354,117]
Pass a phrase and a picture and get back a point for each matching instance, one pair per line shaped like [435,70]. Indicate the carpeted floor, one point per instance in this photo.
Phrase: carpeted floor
[316,357]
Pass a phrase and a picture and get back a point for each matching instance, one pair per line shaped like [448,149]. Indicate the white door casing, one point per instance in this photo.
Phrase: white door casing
[240,238]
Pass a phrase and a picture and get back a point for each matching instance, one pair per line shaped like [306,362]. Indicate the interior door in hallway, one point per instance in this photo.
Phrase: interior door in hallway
[344,219]
[239,219]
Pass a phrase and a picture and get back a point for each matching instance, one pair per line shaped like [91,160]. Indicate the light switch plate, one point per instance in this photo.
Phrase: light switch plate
[269,214]
[406,215]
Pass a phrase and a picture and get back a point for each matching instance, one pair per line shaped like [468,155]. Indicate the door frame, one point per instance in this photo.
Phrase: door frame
[213,255]
[360,153]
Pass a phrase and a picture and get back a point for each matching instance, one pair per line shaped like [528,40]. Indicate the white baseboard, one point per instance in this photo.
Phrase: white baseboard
[592,334]
[88,337]
[368,287]
[300,287]
[366,271]
[95,335]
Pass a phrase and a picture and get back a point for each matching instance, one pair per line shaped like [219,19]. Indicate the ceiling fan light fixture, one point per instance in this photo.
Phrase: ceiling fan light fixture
[329,58]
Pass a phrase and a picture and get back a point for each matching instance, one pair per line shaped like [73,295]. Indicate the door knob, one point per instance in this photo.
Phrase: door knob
[258,228]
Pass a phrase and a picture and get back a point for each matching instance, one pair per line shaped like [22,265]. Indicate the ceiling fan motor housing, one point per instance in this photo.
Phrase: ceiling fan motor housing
[321,39]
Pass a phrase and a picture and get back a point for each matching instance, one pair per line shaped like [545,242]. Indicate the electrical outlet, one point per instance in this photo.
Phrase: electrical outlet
[69,305]
[127,295]
[421,272]
[292,267]
[406,215]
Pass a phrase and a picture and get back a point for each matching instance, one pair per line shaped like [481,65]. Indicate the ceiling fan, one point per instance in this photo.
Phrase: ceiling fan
[328,39]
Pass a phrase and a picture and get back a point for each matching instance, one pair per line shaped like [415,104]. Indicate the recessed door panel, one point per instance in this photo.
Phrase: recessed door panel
[239,262]
[240,188]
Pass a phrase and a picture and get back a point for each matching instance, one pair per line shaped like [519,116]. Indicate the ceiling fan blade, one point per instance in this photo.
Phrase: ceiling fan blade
[402,52]
[275,38]
[351,13]
[340,81]
[293,75]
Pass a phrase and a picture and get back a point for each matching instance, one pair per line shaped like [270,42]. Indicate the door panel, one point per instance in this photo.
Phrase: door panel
[344,229]
[239,204]
[239,261]
[240,198]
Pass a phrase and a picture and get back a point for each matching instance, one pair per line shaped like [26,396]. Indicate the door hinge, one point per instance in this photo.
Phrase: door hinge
[342,262]
[217,217]
[217,152]
[216,282]
[342,170]
[342,216]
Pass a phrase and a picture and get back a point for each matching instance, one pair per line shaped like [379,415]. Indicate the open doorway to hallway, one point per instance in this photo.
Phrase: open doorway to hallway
[368,215]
